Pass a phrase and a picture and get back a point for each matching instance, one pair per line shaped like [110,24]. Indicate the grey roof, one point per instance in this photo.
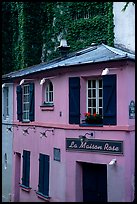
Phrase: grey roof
[93,54]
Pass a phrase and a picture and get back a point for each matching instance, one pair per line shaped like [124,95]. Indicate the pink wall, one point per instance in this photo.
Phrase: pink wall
[65,175]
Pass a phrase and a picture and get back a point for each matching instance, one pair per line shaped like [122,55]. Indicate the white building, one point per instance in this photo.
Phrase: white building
[124,22]
[7,136]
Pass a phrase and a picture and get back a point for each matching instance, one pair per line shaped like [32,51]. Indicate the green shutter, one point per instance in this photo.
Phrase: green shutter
[41,173]
[46,175]
[26,168]
[19,102]
[43,186]
[74,100]
[109,100]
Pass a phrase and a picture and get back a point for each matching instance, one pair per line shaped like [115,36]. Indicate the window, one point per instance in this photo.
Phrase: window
[25,102]
[94,96]
[6,102]
[49,93]
[43,186]
[101,98]
[26,168]
[5,160]
[56,154]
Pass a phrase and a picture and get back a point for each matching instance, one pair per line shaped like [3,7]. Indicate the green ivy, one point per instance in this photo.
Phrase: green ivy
[36,29]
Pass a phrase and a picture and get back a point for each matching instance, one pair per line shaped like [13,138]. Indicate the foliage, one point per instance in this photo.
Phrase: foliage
[93,119]
[31,31]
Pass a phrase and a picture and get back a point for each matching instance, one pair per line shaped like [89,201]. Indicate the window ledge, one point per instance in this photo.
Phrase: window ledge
[90,125]
[47,107]
[40,195]
[25,188]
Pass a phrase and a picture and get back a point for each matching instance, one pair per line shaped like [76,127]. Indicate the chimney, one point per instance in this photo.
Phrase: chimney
[63,48]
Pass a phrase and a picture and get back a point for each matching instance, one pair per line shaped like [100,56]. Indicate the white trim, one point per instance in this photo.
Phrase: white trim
[96,88]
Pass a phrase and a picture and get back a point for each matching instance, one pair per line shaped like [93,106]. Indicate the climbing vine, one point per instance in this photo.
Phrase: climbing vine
[37,28]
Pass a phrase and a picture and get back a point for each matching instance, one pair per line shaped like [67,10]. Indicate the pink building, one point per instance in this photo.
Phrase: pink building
[58,156]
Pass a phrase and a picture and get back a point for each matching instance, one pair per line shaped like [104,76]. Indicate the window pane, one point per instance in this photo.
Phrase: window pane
[93,92]
[93,110]
[100,83]
[94,102]
[50,87]
[89,93]
[100,111]
[100,102]
[93,83]
[89,103]
[89,83]
[100,92]
[89,110]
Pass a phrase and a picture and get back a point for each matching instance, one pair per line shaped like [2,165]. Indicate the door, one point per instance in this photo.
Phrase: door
[17,177]
[94,182]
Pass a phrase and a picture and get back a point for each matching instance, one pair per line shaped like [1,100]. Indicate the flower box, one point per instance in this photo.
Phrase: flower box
[93,119]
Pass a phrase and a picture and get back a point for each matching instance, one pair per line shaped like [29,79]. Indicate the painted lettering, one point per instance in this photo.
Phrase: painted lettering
[83,144]
[110,148]
[73,145]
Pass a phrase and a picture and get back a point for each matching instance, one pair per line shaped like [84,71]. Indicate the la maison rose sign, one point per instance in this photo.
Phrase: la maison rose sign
[93,145]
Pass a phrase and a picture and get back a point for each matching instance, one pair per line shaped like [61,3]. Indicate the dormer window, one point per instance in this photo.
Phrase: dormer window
[6,102]
[25,102]
[49,92]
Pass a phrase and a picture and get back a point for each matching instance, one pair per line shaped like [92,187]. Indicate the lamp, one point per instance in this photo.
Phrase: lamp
[112,162]
[43,134]
[42,81]
[83,137]
[6,84]
[25,131]
[9,129]
[3,85]
[23,80]
[105,71]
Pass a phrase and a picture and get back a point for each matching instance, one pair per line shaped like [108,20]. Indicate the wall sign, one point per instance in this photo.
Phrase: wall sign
[93,145]
[132,110]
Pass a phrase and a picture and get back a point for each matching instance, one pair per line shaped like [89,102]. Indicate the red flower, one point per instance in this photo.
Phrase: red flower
[94,114]
[87,114]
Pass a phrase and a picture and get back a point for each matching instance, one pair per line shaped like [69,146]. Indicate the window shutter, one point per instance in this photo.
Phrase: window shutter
[24,168]
[109,100]
[46,171]
[31,112]
[27,167]
[19,102]
[41,173]
[74,100]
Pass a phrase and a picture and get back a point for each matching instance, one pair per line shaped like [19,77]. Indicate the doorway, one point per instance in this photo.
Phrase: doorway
[94,182]
[17,176]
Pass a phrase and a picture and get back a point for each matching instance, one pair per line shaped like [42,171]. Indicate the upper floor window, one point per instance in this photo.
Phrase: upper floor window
[100,102]
[6,102]
[49,92]
[94,96]
[25,102]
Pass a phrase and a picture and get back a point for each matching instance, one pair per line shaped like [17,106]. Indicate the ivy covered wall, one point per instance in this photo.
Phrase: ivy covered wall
[31,32]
